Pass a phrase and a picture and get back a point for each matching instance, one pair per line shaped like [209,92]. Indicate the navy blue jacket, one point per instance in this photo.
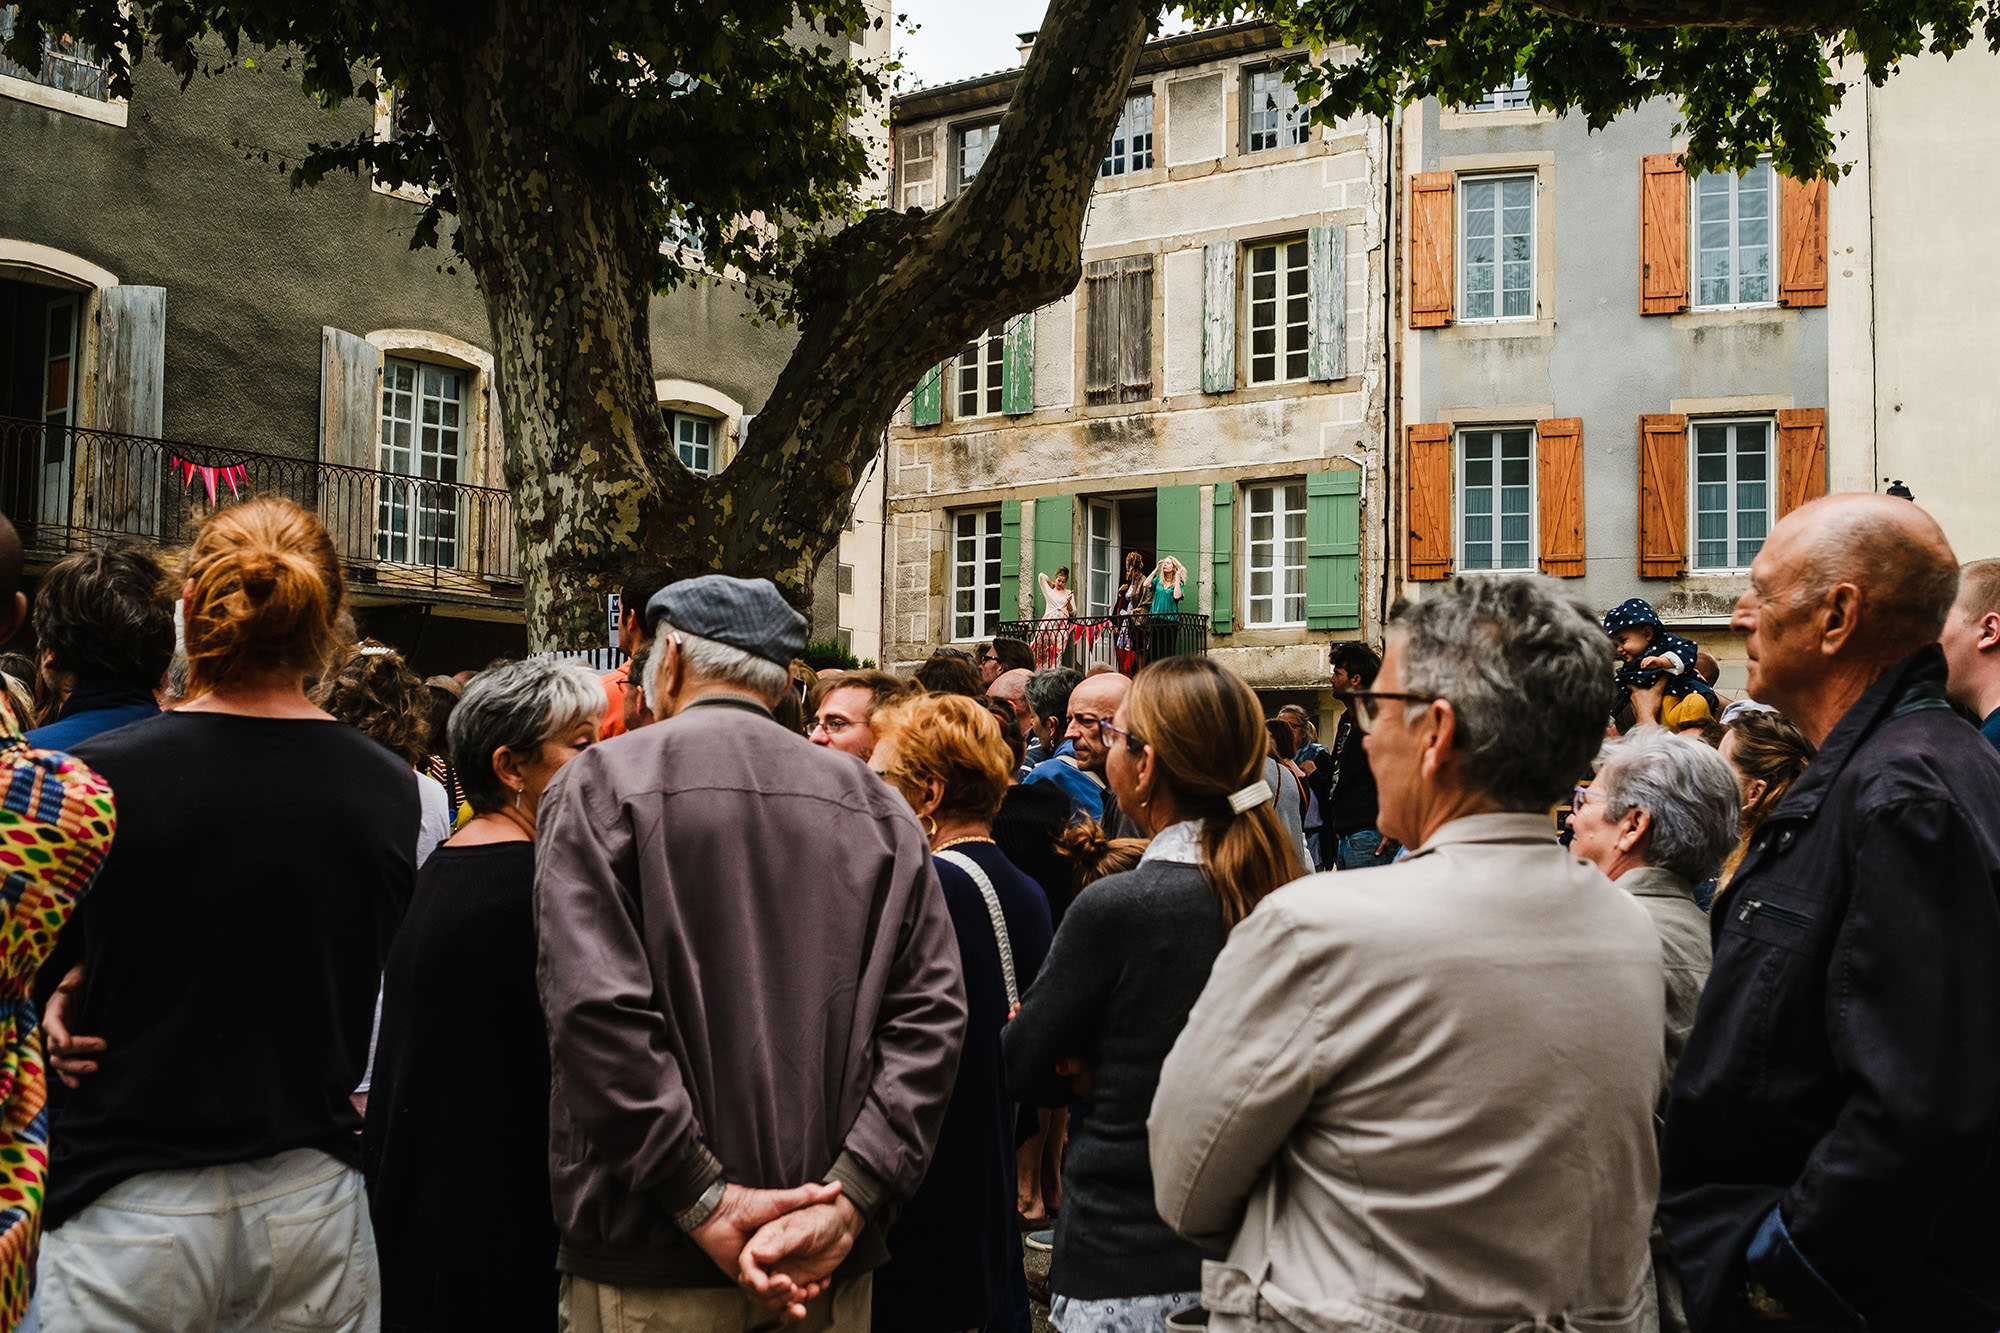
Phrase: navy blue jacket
[1834,1133]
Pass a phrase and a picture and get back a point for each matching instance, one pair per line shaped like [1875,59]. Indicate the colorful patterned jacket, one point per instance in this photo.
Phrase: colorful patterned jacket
[56,823]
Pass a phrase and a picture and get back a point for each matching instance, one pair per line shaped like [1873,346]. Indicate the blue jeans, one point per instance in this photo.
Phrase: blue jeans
[1358,851]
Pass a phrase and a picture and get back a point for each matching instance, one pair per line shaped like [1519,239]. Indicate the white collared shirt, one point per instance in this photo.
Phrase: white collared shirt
[1179,843]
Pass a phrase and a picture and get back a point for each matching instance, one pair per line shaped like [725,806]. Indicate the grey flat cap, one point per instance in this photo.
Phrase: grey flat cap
[750,614]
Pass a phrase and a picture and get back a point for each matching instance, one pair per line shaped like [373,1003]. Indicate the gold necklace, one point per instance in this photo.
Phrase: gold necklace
[970,837]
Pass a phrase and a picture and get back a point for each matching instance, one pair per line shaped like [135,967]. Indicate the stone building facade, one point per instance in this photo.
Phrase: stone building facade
[1213,390]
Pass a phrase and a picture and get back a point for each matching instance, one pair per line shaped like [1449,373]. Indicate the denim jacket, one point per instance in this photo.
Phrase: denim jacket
[1834,1131]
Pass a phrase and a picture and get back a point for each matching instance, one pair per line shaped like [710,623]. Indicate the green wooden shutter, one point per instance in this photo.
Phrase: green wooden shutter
[1179,517]
[1017,371]
[1221,564]
[1218,317]
[1055,541]
[1333,550]
[927,399]
[1010,559]
[1326,280]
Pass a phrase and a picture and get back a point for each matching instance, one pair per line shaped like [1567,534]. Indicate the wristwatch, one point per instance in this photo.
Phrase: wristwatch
[701,1209]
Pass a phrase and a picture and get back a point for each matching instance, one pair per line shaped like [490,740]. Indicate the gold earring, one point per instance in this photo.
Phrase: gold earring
[930,825]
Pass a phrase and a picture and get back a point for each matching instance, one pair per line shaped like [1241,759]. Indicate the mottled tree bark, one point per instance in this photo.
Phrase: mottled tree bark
[558,245]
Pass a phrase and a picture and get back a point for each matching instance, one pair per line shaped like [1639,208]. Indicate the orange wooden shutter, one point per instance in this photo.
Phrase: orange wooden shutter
[1802,237]
[1801,457]
[1428,469]
[1559,455]
[1430,249]
[1663,235]
[1663,516]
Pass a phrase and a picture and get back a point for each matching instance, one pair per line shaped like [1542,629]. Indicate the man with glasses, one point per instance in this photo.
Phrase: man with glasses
[842,707]
[1422,1096]
[1078,765]
[1349,814]
[1003,655]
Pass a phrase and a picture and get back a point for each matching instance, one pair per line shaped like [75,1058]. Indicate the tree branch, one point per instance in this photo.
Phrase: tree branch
[1813,16]
[896,293]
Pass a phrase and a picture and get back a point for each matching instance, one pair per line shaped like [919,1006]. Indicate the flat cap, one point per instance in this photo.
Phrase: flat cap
[750,614]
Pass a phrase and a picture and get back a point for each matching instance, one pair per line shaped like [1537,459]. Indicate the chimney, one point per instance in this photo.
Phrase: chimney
[1027,44]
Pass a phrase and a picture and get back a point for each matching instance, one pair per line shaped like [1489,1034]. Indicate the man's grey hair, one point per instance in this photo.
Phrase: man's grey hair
[520,707]
[1049,690]
[1688,791]
[717,664]
[1528,673]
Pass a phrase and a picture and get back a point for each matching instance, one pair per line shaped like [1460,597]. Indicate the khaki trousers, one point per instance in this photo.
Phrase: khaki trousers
[595,1307]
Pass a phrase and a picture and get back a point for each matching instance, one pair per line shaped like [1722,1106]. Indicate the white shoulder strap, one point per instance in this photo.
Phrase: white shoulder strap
[986,891]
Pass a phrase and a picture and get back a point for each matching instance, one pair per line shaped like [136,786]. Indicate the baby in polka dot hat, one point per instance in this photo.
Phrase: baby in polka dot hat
[1647,651]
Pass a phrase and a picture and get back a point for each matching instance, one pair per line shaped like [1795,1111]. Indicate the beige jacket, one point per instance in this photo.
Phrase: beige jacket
[1421,1097]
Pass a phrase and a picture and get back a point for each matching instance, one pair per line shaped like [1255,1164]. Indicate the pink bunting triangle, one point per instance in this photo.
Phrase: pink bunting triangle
[208,482]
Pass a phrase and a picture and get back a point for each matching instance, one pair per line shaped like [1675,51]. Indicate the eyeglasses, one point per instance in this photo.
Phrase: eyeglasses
[984,658]
[1105,731]
[1578,795]
[1366,708]
[832,724]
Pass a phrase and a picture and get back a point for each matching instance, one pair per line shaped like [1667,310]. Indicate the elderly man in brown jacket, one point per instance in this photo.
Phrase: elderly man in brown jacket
[753,996]
[1421,1096]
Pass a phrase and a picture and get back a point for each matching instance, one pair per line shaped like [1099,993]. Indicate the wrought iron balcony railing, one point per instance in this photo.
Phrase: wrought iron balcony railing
[1124,643]
[67,489]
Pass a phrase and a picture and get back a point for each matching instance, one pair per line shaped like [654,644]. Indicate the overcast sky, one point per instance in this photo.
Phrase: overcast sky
[957,39]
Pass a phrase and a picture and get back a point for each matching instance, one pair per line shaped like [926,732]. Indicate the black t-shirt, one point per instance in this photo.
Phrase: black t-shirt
[458,1116]
[1353,807]
[233,944]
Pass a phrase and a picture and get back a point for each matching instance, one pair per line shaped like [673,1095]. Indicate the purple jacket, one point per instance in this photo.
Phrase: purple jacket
[748,973]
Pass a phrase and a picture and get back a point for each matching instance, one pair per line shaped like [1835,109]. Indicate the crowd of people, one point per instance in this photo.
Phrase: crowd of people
[1555,990]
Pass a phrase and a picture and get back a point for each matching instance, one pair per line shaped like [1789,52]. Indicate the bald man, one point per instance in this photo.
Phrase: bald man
[1971,643]
[1011,688]
[1832,1155]
[1078,763]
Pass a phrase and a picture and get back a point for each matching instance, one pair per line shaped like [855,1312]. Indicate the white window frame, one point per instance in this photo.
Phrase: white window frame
[919,146]
[1102,578]
[1735,251]
[1507,97]
[1131,148]
[1769,426]
[1499,180]
[689,450]
[980,372]
[1281,307]
[1460,498]
[972,554]
[988,131]
[1293,125]
[1274,555]
[414,504]
[107,110]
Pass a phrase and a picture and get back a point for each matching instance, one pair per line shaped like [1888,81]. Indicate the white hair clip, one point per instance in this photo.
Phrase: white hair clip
[1251,796]
[375,649]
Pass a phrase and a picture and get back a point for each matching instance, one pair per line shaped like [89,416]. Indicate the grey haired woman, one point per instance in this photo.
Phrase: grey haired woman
[459,1116]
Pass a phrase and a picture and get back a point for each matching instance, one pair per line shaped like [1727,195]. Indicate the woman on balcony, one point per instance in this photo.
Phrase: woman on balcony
[227,960]
[1169,583]
[1126,612]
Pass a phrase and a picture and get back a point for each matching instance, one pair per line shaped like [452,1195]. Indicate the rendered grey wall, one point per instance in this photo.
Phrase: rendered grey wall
[1605,362]
[253,269]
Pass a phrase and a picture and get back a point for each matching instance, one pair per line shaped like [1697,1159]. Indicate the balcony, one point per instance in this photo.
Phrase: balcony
[1093,641]
[68,489]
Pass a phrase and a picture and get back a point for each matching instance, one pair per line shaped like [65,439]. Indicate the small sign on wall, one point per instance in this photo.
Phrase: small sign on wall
[614,609]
